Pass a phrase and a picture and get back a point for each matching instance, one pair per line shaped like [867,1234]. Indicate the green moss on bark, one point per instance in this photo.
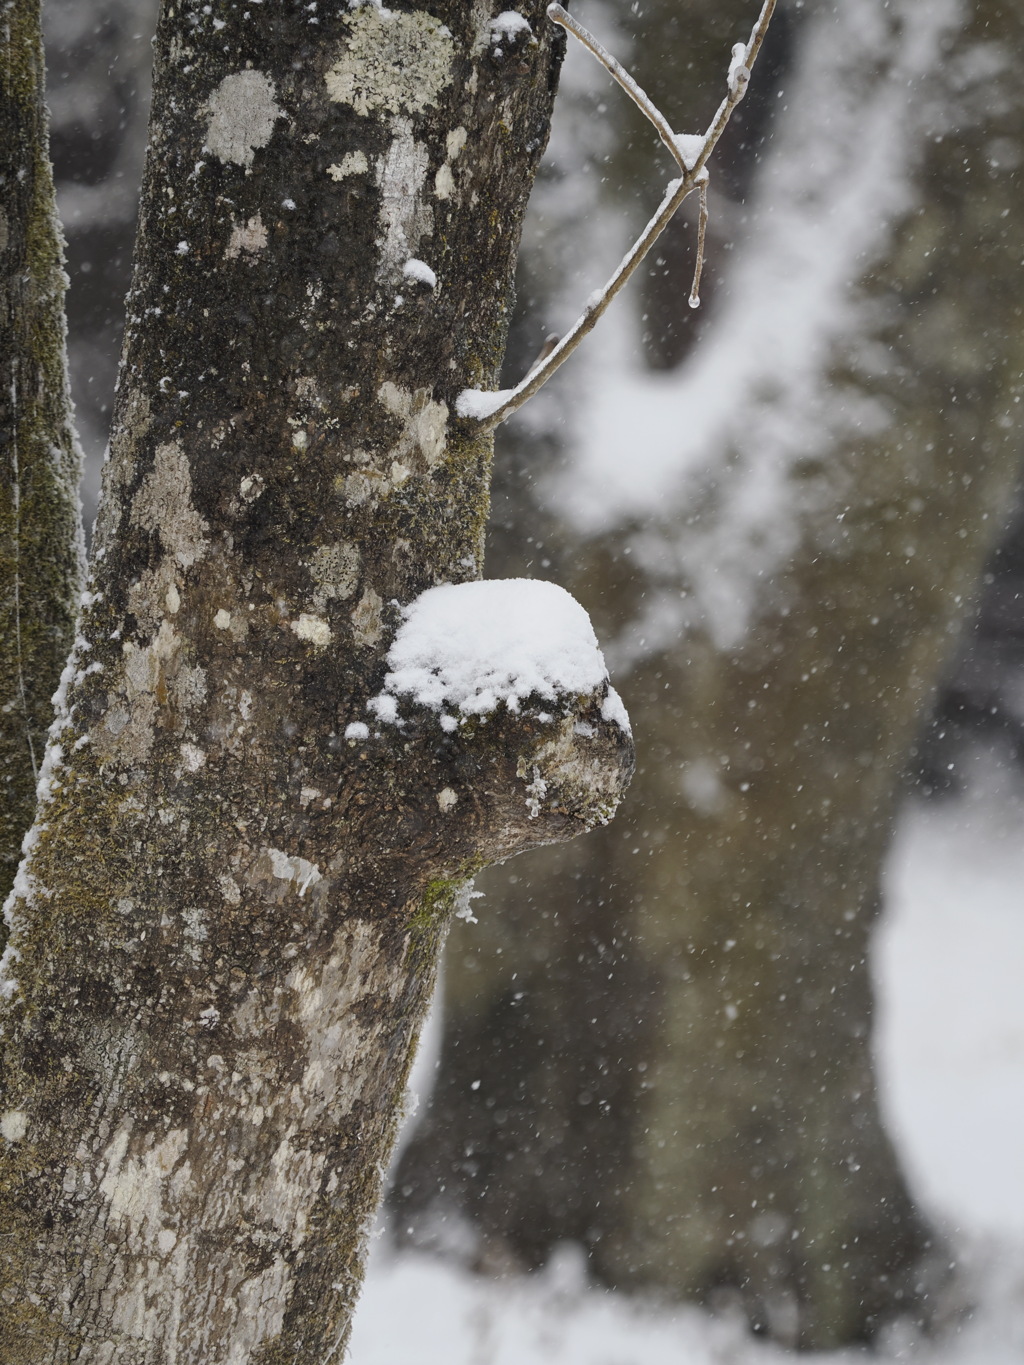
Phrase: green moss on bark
[40,534]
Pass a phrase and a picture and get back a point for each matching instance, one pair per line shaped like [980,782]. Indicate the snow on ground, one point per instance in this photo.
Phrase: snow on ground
[951,1022]
[950,965]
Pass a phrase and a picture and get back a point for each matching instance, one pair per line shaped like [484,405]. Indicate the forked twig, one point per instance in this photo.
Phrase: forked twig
[618,72]
[492,408]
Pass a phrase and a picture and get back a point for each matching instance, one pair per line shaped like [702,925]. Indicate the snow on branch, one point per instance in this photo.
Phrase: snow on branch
[690,153]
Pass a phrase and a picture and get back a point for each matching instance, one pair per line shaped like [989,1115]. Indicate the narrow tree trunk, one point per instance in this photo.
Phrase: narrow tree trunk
[674,1065]
[228,927]
[40,537]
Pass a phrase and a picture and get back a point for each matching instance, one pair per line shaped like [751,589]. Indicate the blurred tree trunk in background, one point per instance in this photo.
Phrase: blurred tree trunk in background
[659,1044]
[99,77]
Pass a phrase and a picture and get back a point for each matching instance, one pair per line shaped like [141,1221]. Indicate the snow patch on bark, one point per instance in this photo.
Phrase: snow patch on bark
[242,113]
[481,403]
[419,272]
[508,25]
[469,647]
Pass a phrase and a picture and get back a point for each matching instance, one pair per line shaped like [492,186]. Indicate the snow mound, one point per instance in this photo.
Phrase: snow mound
[481,403]
[467,647]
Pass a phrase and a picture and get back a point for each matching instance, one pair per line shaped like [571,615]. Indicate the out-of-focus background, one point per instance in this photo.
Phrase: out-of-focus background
[744,1073]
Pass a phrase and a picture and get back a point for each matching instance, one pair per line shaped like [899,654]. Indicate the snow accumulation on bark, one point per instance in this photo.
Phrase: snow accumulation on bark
[465,648]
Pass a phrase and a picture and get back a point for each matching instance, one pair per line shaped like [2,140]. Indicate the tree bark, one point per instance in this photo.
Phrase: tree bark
[675,1066]
[40,535]
[227,929]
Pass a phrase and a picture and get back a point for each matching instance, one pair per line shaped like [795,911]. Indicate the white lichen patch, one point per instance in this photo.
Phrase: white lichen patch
[394,63]
[352,163]
[335,570]
[405,216]
[155,594]
[192,757]
[229,889]
[163,504]
[249,237]
[222,620]
[139,1189]
[287,868]
[13,1125]
[366,623]
[425,422]
[158,688]
[444,182]
[312,629]
[446,799]
[242,112]
[322,1004]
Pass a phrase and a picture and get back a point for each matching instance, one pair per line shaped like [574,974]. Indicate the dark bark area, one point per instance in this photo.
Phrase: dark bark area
[675,1069]
[40,544]
[232,911]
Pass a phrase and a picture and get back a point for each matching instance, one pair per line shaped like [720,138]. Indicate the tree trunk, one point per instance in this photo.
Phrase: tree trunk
[40,538]
[674,1065]
[226,932]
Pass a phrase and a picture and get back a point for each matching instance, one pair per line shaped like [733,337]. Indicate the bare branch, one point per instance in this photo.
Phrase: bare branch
[743,58]
[491,409]
[618,72]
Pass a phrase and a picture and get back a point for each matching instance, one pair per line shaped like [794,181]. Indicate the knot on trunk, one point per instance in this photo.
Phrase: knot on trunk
[502,691]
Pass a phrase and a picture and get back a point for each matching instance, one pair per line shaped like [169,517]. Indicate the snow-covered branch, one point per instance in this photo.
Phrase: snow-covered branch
[691,154]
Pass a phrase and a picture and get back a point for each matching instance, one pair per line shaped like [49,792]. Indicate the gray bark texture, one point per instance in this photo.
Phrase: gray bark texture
[674,1059]
[225,935]
[40,540]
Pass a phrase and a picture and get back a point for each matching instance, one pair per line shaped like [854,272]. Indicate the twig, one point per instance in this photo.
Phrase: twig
[738,82]
[618,72]
[473,402]
[702,229]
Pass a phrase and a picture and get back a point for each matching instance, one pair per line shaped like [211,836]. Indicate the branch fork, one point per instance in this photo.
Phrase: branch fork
[690,154]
